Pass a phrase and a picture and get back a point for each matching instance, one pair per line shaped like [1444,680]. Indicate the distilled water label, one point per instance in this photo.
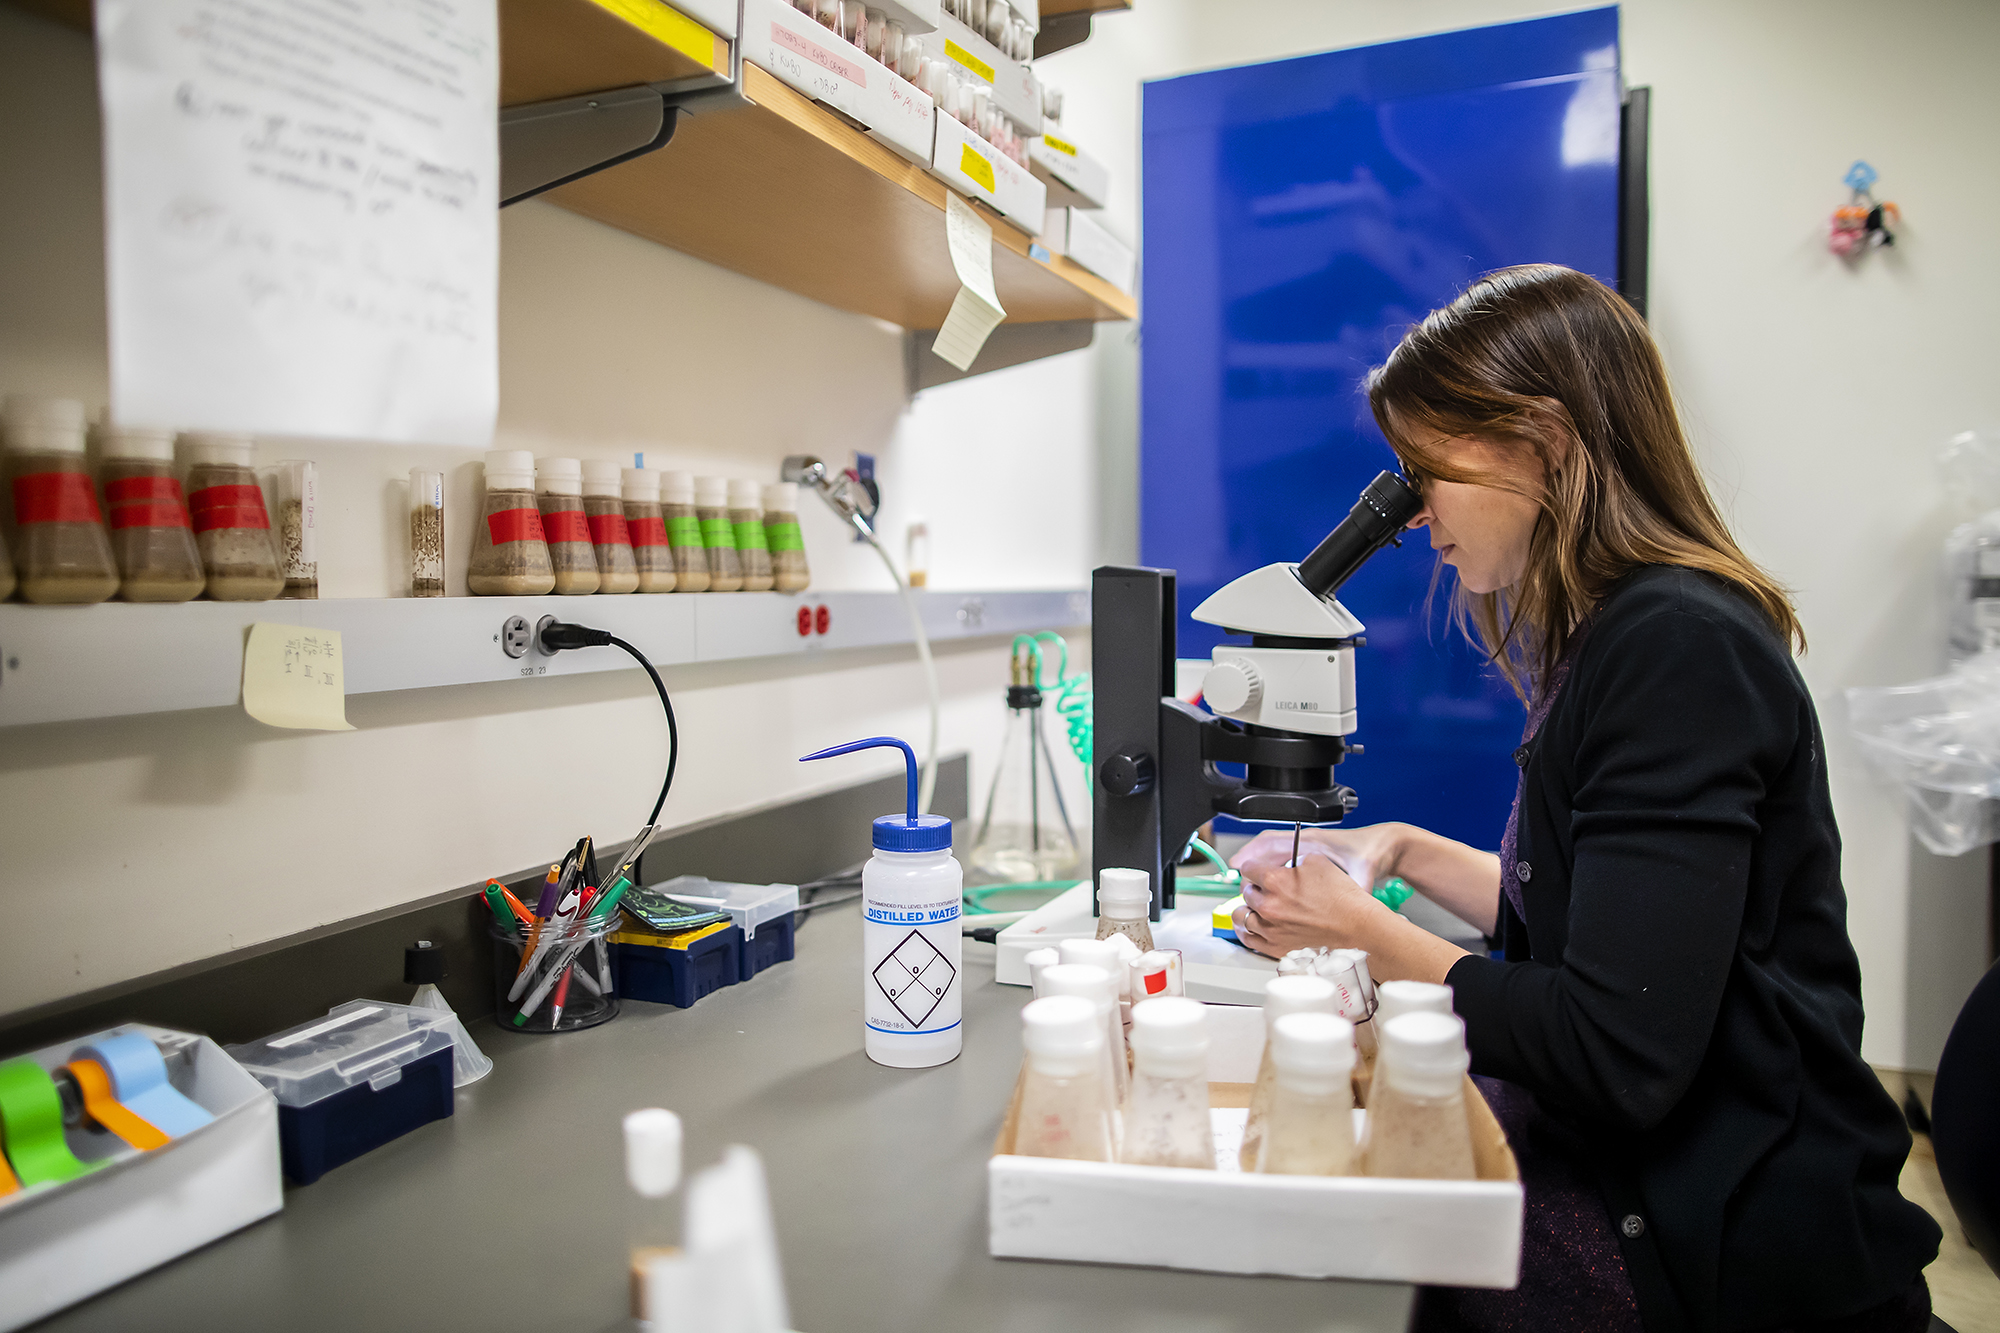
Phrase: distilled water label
[912,985]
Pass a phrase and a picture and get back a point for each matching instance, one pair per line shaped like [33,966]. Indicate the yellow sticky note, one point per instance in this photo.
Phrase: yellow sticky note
[292,677]
[974,164]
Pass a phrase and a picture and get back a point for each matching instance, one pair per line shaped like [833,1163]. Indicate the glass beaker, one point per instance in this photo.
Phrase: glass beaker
[1025,834]
[572,975]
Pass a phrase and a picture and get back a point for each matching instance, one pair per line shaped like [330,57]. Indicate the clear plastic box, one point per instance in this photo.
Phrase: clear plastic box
[748,905]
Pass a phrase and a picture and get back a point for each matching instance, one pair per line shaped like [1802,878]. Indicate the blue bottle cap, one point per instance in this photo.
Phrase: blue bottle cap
[909,831]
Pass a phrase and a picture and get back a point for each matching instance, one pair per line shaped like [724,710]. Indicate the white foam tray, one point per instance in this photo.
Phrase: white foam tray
[1219,971]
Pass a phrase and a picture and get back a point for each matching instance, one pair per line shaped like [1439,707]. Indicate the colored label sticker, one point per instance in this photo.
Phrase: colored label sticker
[215,507]
[829,61]
[784,536]
[565,525]
[610,530]
[969,60]
[684,530]
[668,26]
[54,497]
[149,514]
[974,164]
[128,489]
[715,534]
[750,535]
[515,525]
[647,531]
[1059,145]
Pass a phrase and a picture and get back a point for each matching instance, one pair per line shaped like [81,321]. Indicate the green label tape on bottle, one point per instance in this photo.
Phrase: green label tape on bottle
[684,530]
[750,535]
[715,533]
[785,536]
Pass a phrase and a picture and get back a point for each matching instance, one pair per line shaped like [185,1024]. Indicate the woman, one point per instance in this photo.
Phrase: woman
[1676,1008]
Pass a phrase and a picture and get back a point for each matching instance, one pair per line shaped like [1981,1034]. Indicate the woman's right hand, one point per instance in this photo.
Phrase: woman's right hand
[1369,854]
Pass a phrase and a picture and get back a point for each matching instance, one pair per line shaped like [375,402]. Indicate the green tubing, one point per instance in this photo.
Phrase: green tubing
[976,896]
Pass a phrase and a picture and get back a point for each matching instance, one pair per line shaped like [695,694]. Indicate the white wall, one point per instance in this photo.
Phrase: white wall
[1816,394]
[184,835]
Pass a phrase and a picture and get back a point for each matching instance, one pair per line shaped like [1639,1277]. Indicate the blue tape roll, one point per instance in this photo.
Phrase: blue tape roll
[139,1081]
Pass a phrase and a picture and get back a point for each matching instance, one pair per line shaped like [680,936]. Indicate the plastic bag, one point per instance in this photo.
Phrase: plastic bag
[1938,740]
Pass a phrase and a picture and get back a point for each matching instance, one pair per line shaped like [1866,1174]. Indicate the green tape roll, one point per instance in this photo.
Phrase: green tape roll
[31,1119]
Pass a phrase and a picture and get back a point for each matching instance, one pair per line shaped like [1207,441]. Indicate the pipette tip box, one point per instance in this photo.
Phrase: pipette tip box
[679,969]
[346,1084]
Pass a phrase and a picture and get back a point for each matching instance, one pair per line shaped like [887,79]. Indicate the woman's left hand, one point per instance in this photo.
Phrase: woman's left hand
[1316,905]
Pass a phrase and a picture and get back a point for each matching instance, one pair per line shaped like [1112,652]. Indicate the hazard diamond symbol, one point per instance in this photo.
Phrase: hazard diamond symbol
[915,977]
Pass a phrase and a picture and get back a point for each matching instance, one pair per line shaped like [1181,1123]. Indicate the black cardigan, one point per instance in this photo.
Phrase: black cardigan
[1684,992]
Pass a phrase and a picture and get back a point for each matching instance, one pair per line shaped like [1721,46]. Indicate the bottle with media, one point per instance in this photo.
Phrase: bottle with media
[151,533]
[1065,1108]
[60,546]
[711,506]
[646,526]
[1124,900]
[1283,995]
[610,539]
[510,555]
[1417,1124]
[1310,1127]
[232,527]
[1088,981]
[912,890]
[1166,1109]
[684,535]
[559,495]
[746,523]
[781,534]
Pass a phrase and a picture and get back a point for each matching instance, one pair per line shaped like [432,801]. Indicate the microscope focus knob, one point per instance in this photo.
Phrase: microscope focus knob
[1232,686]
[1127,774]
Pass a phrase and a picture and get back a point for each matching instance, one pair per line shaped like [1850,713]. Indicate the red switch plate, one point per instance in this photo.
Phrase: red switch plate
[805,621]
[822,618]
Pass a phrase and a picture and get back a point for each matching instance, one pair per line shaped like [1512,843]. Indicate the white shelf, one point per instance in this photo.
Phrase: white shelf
[61,664]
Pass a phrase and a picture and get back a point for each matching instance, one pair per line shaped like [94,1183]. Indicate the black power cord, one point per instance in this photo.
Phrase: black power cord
[558,636]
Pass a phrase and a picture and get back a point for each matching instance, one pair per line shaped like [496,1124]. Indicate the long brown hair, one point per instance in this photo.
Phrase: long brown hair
[1557,372]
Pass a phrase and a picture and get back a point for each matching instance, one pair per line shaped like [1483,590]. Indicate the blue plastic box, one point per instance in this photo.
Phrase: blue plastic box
[367,1073]
[770,946]
[680,969]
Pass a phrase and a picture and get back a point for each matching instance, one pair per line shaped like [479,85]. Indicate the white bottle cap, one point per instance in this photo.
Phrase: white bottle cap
[1123,893]
[711,493]
[154,444]
[1350,1001]
[1314,1052]
[42,425]
[1038,960]
[1170,1037]
[781,498]
[1098,953]
[1424,1054]
[558,476]
[676,488]
[1064,1035]
[601,476]
[744,494]
[510,470]
[653,1152]
[1358,957]
[1296,995]
[1393,999]
[639,483]
[228,450]
[1081,980]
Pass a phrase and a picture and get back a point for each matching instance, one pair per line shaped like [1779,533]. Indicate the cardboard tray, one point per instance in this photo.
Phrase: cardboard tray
[61,1243]
[782,41]
[978,170]
[1437,1232]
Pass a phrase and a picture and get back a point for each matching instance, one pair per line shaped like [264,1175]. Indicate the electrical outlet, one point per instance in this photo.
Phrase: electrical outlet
[515,636]
[541,625]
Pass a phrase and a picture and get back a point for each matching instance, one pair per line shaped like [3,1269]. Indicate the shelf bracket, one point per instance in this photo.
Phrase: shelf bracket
[1007,345]
[546,144]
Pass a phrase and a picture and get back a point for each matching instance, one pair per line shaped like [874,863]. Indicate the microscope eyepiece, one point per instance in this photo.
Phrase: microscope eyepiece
[1383,509]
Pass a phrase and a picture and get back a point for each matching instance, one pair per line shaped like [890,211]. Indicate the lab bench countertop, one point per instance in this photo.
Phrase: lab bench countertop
[514,1213]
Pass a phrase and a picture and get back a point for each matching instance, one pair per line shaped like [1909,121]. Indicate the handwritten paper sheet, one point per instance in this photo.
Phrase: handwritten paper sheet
[292,677]
[301,215]
[976,310]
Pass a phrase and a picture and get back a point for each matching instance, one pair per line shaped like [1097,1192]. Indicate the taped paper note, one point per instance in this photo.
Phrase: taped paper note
[976,310]
[292,677]
[301,216]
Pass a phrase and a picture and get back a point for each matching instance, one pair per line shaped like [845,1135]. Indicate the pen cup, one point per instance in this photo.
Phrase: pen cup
[557,978]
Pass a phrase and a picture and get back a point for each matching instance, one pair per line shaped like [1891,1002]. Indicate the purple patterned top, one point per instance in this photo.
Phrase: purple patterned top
[1510,857]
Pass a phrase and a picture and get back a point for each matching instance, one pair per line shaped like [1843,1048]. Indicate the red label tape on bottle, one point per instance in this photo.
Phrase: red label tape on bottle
[127,489]
[647,531]
[514,525]
[149,514]
[54,497]
[228,507]
[565,525]
[611,530]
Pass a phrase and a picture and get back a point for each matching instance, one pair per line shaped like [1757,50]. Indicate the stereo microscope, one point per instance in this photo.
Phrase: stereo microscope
[1283,703]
